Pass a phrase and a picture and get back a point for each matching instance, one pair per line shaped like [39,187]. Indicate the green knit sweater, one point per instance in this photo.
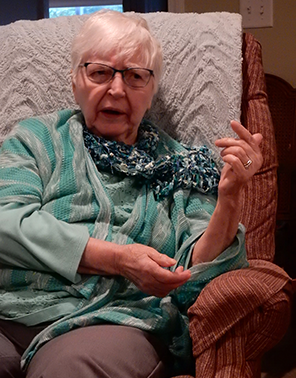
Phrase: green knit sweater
[53,198]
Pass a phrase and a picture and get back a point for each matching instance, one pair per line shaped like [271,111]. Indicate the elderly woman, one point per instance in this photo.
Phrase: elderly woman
[109,227]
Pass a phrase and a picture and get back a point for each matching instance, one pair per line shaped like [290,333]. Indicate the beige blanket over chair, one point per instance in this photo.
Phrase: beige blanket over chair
[199,94]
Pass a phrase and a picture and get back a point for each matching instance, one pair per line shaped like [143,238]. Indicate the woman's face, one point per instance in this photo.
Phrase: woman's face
[112,110]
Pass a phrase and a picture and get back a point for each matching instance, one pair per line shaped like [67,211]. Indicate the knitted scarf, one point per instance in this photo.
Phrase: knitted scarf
[192,169]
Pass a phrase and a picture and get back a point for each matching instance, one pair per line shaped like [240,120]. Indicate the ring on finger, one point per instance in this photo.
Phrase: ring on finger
[248,163]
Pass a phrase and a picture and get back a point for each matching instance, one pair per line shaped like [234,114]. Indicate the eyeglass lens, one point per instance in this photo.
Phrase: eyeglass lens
[133,77]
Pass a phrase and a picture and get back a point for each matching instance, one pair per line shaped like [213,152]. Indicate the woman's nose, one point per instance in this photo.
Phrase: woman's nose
[117,85]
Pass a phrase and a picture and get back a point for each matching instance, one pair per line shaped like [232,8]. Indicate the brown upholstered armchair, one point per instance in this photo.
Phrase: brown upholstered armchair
[242,314]
[239,315]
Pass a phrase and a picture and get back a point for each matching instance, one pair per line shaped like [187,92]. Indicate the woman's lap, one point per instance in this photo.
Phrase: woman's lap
[14,338]
[9,359]
[103,351]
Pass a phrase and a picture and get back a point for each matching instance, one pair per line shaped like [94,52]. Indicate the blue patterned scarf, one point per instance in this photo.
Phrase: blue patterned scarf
[192,169]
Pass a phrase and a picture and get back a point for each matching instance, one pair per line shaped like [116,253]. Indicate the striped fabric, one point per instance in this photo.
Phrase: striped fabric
[242,314]
[237,318]
[260,201]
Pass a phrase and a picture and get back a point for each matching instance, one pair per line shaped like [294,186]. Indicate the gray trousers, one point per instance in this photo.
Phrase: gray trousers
[107,351]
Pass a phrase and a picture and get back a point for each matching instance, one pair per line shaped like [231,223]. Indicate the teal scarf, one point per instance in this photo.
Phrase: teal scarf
[194,168]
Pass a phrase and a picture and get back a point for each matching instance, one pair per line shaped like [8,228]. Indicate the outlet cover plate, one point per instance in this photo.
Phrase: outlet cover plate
[257,13]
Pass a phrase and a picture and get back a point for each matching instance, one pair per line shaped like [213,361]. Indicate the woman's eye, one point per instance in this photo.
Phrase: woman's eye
[135,76]
[99,73]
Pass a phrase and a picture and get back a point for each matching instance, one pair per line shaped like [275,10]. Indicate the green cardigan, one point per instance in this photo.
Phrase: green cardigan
[52,198]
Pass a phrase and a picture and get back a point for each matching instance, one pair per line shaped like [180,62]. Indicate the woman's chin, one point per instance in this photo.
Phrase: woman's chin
[118,132]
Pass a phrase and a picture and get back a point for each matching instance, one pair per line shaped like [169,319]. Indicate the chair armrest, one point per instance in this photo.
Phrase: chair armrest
[260,199]
[232,296]
[243,313]
[247,310]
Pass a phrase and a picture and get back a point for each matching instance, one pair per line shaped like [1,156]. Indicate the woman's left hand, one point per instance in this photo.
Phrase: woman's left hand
[243,159]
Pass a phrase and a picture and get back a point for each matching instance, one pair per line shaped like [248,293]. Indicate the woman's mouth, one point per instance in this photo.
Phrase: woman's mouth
[115,112]
[112,112]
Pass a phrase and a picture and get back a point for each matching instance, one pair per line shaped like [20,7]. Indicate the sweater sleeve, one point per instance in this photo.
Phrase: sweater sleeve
[232,258]
[32,237]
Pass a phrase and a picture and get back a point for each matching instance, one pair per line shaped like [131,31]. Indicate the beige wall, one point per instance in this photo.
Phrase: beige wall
[278,43]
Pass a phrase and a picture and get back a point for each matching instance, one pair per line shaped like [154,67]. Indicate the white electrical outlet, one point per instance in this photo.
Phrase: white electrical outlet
[257,13]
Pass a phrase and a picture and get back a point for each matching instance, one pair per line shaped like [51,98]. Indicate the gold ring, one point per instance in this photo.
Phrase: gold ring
[248,163]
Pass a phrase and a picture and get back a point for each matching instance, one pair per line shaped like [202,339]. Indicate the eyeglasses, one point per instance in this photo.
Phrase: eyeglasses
[102,74]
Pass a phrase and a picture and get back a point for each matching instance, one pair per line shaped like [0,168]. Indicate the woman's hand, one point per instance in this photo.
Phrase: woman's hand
[243,158]
[144,266]
[140,264]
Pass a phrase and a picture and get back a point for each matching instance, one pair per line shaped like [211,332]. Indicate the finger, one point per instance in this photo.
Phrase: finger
[239,152]
[161,259]
[253,140]
[164,288]
[236,165]
[258,138]
[179,269]
[166,277]
[241,131]
[160,285]
[155,269]
[237,143]
[246,139]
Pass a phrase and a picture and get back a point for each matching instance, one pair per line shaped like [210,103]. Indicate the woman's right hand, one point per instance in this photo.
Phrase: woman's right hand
[140,264]
[144,266]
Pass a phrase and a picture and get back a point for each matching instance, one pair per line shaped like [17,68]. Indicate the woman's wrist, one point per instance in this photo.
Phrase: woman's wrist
[221,230]
[100,257]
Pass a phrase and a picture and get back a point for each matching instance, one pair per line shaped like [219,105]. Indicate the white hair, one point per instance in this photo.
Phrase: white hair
[125,34]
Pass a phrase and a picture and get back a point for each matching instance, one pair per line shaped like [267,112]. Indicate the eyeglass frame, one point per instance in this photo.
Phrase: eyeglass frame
[120,71]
